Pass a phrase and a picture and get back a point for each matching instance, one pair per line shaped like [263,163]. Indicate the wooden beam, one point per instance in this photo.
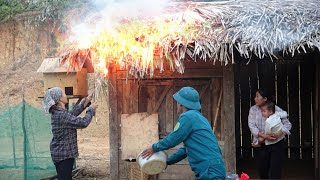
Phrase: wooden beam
[189,73]
[169,121]
[113,126]
[228,110]
[155,82]
[177,82]
[163,95]
[216,87]
[217,111]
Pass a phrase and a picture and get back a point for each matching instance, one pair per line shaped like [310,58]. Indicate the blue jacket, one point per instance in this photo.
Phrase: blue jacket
[200,146]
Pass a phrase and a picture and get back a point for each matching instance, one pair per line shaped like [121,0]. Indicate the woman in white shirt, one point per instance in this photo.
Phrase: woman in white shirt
[269,158]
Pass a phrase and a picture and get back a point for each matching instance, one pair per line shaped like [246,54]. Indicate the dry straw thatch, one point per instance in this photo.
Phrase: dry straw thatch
[261,27]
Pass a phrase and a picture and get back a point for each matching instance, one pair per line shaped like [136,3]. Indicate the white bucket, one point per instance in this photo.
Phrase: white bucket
[156,164]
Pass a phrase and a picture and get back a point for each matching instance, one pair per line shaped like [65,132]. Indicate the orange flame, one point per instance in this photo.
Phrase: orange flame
[135,42]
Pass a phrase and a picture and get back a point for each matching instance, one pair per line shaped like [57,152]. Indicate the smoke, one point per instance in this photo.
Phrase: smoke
[106,14]
[130,8]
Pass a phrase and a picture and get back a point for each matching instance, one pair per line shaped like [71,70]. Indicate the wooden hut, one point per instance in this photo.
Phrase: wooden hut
[129,95]
[240,46]
[227,93]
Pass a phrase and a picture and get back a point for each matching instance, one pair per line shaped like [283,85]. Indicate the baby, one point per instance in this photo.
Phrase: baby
[273,122]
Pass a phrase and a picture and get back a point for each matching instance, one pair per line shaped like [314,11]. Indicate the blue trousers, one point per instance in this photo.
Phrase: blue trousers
[64,169]
[213,172]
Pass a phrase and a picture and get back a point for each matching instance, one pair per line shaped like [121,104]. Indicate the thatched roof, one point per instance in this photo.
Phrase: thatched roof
[52,65]
[215,29]
[265,27]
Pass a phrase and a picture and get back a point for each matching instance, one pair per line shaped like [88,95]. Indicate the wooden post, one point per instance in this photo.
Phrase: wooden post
[228,110]
[113,125]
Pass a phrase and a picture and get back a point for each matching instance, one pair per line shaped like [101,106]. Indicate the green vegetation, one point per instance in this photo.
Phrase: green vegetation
[10,8]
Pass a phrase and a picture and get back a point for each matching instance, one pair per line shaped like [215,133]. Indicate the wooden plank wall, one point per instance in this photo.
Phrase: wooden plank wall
[149,93]
[128,95]
[291,83]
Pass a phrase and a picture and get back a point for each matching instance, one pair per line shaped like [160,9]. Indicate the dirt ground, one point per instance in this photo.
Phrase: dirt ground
[94,158]
[23,47]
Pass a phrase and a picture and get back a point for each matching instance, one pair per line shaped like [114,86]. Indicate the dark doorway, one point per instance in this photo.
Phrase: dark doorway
[292,82]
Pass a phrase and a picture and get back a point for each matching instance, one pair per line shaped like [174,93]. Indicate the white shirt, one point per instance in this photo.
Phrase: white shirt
[274,124]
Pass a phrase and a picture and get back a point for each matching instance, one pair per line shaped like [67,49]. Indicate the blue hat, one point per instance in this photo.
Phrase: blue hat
[188,97]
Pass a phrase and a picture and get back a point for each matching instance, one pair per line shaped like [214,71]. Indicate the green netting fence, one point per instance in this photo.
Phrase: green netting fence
[25,135]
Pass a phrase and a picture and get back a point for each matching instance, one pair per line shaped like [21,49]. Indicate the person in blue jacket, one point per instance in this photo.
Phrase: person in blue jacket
[200,144]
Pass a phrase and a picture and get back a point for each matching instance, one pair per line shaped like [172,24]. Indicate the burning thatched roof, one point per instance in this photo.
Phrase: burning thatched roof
[210,31]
